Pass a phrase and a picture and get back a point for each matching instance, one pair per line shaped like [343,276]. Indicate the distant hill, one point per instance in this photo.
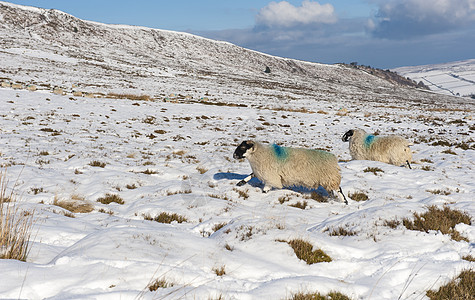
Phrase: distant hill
[50,48]
[453,78]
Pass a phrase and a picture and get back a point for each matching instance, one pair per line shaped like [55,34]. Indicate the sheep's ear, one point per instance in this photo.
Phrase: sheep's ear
[346,137]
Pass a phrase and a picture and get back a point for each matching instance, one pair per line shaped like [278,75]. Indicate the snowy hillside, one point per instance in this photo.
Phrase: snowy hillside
[48,48]
[103,173]
[455,78]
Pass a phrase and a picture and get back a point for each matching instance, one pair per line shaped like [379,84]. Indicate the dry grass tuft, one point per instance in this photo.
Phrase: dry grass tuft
[97,163]
[460,288]
[109,198]
[318,296]
[76,204]
[218,226]
[469,258]
[373,170]
[201,170]
[393,224]
[161,283]
[342,231]
[358,196]
[219,271]
[301,205]
[304,251]
[317,197]
[166,218]
[443,220]
[15,225]
[242,194]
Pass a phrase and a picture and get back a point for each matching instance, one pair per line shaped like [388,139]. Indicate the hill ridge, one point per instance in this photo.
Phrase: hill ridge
[103,58]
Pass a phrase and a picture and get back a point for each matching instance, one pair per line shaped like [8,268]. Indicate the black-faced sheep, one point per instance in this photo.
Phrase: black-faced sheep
[390,149]
[279,166]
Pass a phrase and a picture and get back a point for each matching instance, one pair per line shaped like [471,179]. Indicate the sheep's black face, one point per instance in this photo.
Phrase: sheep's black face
[241,150]
[346,137]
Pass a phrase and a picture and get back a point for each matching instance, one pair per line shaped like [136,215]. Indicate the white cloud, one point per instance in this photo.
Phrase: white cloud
[283,14]
[408,18]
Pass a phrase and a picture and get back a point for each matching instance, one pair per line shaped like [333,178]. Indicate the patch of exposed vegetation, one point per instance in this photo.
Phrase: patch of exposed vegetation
[109,198]
[166,218]
[373,170]
[443,220]
[161,283]
[341,231]
[96,163]
[318,296]
[358,196]
[15,225]
[460,288]
[304,251]
[301,205]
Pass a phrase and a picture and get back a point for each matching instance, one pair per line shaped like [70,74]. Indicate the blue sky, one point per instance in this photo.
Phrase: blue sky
[379,33]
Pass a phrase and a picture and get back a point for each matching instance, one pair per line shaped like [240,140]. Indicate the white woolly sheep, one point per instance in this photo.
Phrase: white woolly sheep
[390,149]
[279,166]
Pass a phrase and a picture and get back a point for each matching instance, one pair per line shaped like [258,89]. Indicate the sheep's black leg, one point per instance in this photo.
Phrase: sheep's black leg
[408,164]
[245,180]
[344,198]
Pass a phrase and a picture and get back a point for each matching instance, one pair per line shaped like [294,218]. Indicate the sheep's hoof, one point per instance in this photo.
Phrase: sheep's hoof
[241,183]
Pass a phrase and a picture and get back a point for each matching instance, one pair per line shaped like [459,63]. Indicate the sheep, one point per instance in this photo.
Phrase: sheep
[390,149]
[278,166]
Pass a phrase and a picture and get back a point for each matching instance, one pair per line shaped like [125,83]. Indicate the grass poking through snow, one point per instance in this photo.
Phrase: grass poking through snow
[304,251]
[460,288]
[442,219]
[15,225]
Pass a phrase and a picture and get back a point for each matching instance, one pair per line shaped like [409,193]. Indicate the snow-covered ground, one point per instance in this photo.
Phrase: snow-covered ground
[177,158]
[455,78]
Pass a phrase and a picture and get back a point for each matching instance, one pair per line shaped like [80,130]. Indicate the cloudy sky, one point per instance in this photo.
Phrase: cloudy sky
[379,33]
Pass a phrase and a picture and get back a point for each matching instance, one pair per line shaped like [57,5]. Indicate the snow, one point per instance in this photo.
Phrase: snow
[177,158]
[98,255]
[455,78]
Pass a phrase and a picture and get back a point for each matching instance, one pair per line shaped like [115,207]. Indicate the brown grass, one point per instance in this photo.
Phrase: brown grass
[373,170]
[109,198]
[441,219]
[301,205]
[242,194]
[76,204]
[304,251]
[342,231]
[15,225]
[317,197]
[166,218]
[318,296]
[469,258]
[219,271]
[460,288]
[159,284]
[218,226]
[358,196]
[201,170]
[97,163]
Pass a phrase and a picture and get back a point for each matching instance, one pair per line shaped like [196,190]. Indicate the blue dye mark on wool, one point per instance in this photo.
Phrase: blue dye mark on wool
[280,152]
[368,141]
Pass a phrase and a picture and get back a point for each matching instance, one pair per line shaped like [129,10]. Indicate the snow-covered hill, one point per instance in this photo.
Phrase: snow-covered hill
[50,48]
[454,78]
[65,153]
